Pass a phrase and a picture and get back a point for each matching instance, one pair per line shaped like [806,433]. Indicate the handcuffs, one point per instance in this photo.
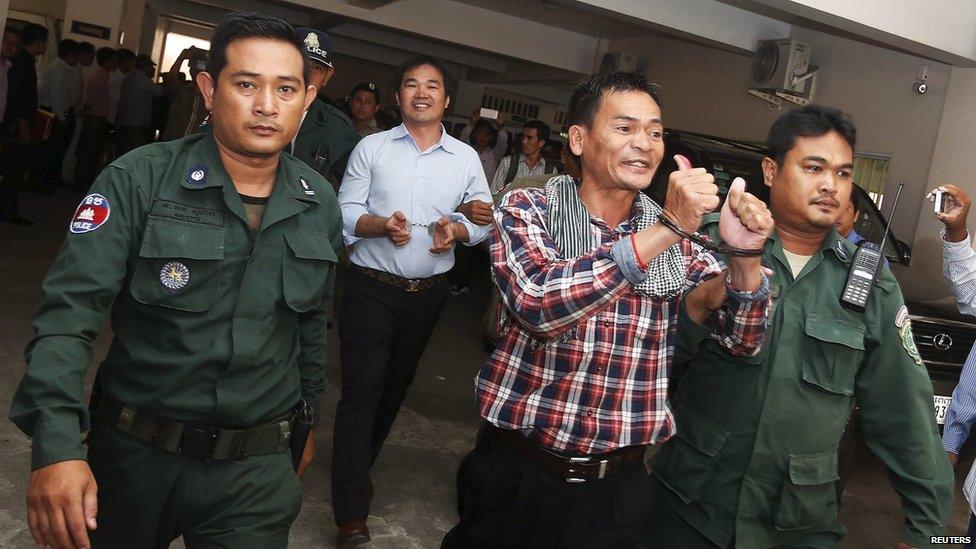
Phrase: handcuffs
[710,245]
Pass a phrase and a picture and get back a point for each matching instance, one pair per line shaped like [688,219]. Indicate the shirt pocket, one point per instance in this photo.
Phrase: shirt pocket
[686,462]
[305,270]
[179,265]
[831,352]
[809,494]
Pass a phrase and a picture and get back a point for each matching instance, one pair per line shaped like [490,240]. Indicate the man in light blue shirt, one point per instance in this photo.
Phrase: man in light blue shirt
[399,198]
[959,267]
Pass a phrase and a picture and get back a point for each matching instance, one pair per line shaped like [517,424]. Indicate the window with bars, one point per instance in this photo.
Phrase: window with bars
[871,174]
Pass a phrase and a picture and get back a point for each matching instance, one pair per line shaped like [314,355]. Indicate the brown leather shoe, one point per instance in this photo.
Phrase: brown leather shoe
[352,534]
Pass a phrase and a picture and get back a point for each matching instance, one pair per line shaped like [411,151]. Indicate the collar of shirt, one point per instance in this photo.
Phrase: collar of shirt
[204,170]
[401,132]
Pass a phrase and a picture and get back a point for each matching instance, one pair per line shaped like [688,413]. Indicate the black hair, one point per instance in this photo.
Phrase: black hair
[31,33]
[589,93]
[419,61]
[483,124]
[240,25]
[809,121]
[11,30]
[104,55]
[366,87]
[125,54]
[541,128]
[67,47]
[86,47]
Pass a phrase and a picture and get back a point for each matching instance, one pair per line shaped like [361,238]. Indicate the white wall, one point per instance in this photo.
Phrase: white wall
[945,29]
[953,161]
[705,91]
[107,13]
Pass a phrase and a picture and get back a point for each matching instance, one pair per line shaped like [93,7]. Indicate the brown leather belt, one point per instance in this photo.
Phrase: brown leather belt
[574,469]
[406,284]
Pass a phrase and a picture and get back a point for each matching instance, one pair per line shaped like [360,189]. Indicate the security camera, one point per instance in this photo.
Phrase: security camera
[920,87]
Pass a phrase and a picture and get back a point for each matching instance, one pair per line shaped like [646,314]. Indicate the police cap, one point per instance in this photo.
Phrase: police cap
[317,44]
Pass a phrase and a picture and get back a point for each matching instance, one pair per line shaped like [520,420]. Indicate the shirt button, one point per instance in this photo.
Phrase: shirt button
[606,323]
[589,413]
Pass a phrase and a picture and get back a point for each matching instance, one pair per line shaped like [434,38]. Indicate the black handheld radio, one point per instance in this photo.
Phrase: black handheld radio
[866,267]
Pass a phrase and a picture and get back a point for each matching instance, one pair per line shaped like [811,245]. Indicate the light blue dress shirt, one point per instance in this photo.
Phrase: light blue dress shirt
[388,172]
[959,267]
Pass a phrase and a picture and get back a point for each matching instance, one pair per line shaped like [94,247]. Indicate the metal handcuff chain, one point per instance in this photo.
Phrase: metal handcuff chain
[731,251]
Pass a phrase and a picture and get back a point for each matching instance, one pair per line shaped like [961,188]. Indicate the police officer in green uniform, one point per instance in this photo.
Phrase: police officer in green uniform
[327,136]
[216,254]
[754,460]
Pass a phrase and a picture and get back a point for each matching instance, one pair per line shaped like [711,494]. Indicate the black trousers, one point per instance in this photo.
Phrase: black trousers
[383,331]
[91,144]
[505,501]
[51,157]
[132,137]
[14,162]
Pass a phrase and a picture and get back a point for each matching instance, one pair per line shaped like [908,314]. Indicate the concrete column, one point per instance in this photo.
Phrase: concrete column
[4,8]
[131,25]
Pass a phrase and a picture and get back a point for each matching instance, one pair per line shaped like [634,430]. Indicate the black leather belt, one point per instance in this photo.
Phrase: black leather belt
[195,440]
[574,469]
[407,284]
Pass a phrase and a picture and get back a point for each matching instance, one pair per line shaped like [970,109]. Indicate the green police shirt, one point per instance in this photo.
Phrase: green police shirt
[754,459]
[326,138]
[211,323]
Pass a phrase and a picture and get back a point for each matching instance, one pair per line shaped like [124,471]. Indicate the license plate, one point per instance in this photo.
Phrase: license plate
[941,407]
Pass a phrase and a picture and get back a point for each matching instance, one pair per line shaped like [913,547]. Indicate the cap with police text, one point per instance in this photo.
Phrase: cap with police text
[317,44]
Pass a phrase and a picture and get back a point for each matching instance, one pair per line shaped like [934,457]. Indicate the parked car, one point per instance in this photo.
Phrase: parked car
[943,337]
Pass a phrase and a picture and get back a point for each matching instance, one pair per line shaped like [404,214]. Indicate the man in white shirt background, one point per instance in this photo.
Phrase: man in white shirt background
[527,161]
[57,95]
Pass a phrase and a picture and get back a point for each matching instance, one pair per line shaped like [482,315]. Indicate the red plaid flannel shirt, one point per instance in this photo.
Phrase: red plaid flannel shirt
[582,363]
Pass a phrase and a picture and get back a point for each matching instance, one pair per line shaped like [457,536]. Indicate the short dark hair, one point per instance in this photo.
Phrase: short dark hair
[67,47]
[104,55]
[125,54]
[810,121]
[241,25]
[31,33]
[541,128]
[419,61]
[86,47]
[589,93]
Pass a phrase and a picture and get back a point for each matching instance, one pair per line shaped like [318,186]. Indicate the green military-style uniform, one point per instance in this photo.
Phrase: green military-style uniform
[215,323]
[326,138]
[754,459]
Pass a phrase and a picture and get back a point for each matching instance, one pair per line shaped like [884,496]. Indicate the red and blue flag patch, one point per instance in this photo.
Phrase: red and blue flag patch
[91,214]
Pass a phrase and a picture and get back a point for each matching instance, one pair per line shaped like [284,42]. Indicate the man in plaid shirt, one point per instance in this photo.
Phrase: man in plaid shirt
[577,387]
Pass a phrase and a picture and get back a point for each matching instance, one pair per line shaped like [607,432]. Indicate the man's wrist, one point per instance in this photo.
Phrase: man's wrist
[955,234]
[745,273]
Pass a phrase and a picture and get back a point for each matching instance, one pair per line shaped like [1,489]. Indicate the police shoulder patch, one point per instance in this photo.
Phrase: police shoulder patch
[91,214]
[901,317]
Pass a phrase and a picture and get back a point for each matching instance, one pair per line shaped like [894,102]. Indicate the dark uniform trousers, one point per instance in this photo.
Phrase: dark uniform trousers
[147,497]
[91,144]
[383,331]
[505,501]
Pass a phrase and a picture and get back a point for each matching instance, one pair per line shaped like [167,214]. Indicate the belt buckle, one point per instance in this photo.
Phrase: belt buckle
[413,285]
[601,472]
[198,441]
